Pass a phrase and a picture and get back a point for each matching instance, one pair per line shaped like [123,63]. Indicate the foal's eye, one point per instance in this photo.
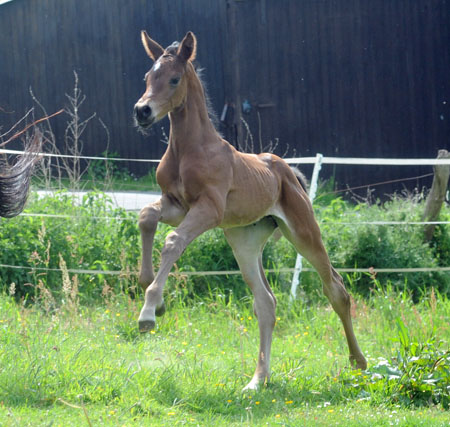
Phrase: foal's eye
[174,81]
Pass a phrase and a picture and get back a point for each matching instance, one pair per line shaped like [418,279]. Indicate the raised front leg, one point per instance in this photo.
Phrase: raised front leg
[247,244]
[201,217]
[148,222]
[164,210]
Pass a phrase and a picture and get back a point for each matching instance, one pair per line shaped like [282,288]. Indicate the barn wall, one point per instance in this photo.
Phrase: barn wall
[43,42]
[349,78]
[340,77]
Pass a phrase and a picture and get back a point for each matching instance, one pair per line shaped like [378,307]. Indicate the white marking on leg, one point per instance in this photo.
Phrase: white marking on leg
[147,314]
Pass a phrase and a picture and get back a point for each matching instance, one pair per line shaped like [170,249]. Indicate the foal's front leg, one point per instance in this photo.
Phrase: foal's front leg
[166,211]
[199,218]
[148,222]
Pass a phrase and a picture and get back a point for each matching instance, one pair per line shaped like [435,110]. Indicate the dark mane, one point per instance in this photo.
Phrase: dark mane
[211,113]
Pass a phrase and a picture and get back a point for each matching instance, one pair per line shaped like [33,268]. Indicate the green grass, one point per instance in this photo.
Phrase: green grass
[73,365]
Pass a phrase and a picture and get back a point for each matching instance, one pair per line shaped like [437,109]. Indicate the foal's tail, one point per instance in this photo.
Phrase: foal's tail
[305,185]
[15,179]
[301,178]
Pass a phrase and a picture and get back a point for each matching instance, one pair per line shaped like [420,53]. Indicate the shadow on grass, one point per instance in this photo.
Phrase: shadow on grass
[227,400]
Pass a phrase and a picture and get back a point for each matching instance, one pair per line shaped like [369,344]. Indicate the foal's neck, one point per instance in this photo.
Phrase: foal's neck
[190,125]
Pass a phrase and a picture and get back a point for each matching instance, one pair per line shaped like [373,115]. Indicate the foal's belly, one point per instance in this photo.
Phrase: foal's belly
[246,207]
[254,191]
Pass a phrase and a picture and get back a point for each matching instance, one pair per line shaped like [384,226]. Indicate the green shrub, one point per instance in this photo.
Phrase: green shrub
[82,237]
[86,239]
[211,252]
[352,244]
[99,170]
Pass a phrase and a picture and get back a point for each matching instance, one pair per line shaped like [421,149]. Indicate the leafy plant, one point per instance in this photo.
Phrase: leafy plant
[419,375]
[102,170]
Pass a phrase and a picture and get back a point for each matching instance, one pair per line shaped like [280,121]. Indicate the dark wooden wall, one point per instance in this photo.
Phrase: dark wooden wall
[356,78]
[43,42]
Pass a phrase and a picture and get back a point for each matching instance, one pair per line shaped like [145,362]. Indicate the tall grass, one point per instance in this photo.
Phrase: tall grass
[68,364]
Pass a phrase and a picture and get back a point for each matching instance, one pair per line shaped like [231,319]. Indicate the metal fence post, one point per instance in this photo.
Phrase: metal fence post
[312,195]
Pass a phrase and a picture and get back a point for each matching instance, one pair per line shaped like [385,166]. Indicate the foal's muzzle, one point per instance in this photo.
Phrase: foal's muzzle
[143,115]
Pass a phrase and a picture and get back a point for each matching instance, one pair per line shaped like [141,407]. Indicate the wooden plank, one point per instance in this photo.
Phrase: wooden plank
[347,77]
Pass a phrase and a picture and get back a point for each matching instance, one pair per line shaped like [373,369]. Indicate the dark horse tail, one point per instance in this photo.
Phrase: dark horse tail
[301,178]
[15,180]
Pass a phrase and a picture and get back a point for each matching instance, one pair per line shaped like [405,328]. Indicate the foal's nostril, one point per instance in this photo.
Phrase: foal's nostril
[146,111]
[142,112]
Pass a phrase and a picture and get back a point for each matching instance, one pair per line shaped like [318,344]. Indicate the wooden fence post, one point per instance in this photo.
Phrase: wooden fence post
[437,194]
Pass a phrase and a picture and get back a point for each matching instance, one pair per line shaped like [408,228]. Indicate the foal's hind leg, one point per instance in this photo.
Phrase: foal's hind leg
[247,244]
[299,226]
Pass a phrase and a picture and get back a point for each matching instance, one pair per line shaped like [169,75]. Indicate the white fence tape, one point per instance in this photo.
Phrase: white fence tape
[113,218]
[42,215]
[293,160]
[370,270]
[367,161]
[68,156]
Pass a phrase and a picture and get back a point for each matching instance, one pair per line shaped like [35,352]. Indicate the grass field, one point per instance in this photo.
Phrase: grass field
[75,365]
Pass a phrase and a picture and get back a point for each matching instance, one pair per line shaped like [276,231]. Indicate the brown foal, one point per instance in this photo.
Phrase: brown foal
[207,183]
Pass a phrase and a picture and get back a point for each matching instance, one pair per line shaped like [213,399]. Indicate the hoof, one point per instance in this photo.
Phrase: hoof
[256,384]
[362,364]
[358,363]
[146,326]
[251,387]
[160,310]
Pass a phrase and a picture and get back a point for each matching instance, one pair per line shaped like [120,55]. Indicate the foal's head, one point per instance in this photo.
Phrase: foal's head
[166,82]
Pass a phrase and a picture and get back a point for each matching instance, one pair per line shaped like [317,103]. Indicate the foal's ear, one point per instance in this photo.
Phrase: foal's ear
[153,49]
[188,47]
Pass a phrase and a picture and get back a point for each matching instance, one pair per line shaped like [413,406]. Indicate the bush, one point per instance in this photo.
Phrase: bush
[82,237]
[86,239]
[211,252]
[351,243]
